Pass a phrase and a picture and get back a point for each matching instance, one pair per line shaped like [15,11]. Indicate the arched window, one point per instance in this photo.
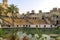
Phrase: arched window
[8,25]
[36,25]
[51,26]
[56,16]
[26,25]
[17,25]
[29,25]
[44,26]
[42,17]
[35,17]
[57,22]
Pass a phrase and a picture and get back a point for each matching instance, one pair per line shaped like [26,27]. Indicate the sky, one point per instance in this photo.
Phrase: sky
[28,5]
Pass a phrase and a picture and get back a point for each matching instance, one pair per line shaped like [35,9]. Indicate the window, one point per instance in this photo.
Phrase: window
[36,25]
[23,25]
[56,16]
[26,25]
[8,25]
[17,25]
[57,22]
[51,26]
[35,17]
[29,25]
[42,17]
[44,26]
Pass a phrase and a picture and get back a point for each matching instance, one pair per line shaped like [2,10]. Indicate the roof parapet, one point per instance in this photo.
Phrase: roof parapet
[40,11]
[54,9]
[28,12]
[51,11]
[32,11]
[59,10]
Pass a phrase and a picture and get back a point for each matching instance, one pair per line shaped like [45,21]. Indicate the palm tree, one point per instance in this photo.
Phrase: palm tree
[14,10]
[39,33]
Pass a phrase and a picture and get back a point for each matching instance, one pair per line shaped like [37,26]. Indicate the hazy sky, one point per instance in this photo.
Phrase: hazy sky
[28,5]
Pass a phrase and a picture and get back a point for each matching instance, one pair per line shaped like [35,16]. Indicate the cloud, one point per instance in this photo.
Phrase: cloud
[49,4]
[44,5]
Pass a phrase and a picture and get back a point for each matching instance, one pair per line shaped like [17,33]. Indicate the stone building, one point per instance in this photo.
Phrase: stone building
[40,19]
[55,16]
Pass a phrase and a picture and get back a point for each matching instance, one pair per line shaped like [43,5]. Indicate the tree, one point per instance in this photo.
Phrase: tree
[39,33]
[14,10]
[58,38]
[1,32]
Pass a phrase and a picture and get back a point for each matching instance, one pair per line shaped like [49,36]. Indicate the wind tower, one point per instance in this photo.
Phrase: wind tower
[5,3]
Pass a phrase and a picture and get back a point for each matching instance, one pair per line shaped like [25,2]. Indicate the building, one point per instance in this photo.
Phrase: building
[41,19]
[55,16]
[31,20]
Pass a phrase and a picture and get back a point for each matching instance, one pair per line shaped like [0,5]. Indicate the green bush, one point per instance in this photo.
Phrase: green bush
[58,38]
[1,32]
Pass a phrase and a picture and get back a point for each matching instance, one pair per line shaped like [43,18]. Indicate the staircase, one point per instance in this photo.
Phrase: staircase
[47,21]
[7,21]
[27,20]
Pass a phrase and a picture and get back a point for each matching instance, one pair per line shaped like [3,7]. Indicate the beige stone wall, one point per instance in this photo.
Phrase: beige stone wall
[55,12]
